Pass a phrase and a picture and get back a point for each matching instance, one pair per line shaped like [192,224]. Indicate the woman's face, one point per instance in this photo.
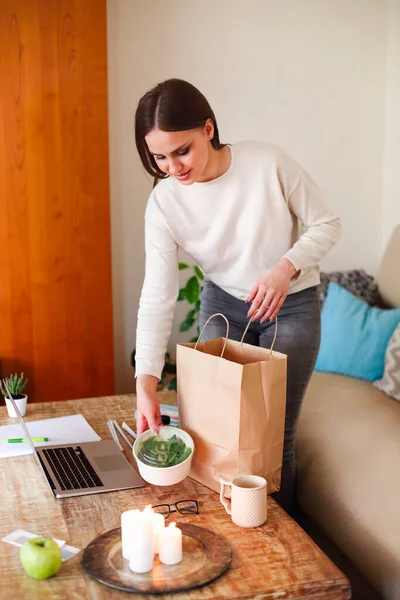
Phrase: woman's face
[184,155]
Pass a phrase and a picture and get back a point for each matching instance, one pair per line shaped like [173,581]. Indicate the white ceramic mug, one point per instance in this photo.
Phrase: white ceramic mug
[248,505]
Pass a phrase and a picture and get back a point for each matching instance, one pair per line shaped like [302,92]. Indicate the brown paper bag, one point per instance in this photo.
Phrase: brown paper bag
[232,401]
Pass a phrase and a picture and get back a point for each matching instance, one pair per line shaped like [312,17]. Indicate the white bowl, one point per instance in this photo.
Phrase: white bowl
[164,475]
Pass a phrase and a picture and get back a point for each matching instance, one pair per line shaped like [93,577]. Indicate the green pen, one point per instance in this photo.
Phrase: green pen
[21,440]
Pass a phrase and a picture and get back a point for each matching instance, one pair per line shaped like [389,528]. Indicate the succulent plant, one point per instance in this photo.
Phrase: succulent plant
[15,383]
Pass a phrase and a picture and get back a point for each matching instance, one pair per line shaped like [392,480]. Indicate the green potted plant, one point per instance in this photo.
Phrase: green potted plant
[16,384]
[191,294]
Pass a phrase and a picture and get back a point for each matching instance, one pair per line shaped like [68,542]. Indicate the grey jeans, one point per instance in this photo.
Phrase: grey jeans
[298,337]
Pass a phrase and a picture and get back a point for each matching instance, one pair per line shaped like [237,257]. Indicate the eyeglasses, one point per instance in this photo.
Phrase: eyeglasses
[185,507]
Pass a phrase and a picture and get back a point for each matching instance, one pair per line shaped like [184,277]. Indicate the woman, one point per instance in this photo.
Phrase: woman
[235,210]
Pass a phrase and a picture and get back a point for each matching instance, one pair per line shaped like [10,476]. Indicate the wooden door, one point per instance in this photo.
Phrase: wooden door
[55,257]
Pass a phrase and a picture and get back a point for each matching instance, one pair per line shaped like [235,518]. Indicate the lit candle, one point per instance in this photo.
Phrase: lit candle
[158,526]
[170,545]
[141,546]
[128,530]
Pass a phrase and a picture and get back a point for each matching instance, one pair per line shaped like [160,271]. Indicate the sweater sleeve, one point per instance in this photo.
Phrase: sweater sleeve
[305,201]
[159,294]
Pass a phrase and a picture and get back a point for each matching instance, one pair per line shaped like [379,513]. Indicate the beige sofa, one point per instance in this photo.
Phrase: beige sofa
[348,454]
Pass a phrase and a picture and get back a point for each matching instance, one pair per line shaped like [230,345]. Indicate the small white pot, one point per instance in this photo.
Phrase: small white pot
[21,405]
[164,475]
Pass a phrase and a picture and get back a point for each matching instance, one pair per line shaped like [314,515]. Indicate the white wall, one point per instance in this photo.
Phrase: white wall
[306,74]
[391,188]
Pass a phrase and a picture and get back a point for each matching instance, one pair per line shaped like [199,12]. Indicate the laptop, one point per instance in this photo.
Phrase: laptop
[81,469]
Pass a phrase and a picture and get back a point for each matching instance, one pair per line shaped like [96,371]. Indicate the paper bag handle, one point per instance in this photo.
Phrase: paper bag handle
[205,325]
[273,341]
[227,332]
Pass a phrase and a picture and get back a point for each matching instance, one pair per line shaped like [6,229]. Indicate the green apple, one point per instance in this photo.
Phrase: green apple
[40,557]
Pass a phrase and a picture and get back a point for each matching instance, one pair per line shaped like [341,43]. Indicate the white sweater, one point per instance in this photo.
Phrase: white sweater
[234,227]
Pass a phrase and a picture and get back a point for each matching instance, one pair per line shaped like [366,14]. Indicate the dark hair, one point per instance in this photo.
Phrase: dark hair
[173,105]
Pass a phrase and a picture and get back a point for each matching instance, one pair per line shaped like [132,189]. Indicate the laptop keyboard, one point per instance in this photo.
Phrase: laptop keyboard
[71,468]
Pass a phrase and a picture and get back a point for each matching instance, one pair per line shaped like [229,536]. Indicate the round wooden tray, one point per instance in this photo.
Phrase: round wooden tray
[206,556]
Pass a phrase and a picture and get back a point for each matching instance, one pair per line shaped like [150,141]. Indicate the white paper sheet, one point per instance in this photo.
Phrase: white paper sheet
[73,429]
[19,537]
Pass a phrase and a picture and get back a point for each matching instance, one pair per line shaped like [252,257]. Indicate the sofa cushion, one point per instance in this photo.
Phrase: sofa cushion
[390,382]
[354,335]
[348,454]
[356,281]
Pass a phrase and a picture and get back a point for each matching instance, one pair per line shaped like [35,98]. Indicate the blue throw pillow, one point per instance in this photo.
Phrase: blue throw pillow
[354,335]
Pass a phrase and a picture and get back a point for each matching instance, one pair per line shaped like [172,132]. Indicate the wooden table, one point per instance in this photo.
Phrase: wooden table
[277,560]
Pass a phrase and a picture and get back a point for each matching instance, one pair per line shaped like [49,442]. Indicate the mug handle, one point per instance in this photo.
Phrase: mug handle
[224,501]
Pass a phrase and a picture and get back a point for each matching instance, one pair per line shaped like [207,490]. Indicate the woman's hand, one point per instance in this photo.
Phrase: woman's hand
[148,408]
[270,290]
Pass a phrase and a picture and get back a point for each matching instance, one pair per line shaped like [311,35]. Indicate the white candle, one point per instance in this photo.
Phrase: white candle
[148,511]
[170,545]
[128,530]
[158,526]
[141,547]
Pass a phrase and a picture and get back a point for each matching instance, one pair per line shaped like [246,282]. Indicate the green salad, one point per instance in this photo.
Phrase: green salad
[155,451]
